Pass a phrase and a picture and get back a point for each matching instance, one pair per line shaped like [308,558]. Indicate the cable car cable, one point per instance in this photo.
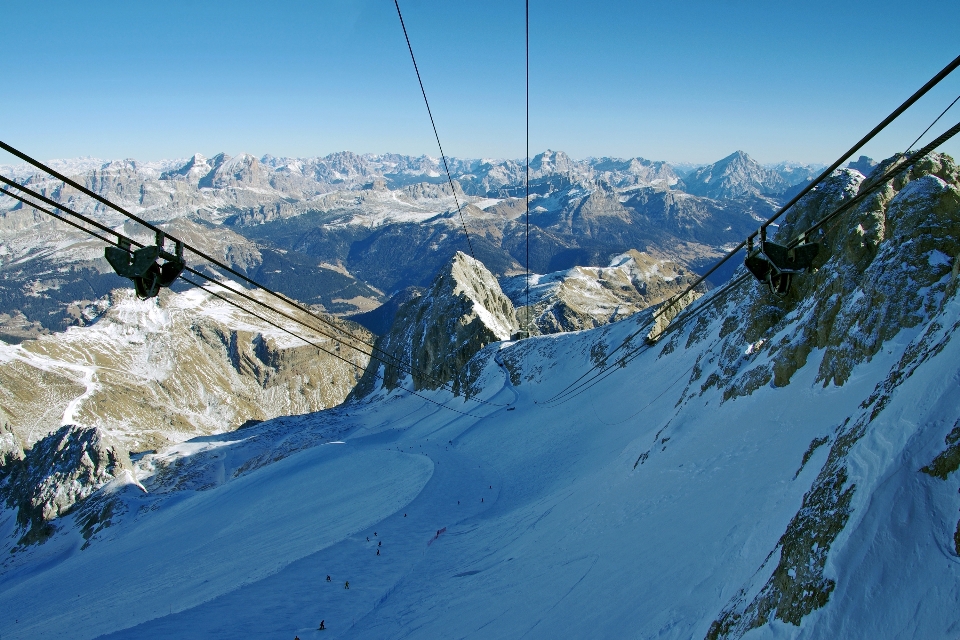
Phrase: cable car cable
[934,81]
[526,181]
[935,120]
[437,135]
[890,118]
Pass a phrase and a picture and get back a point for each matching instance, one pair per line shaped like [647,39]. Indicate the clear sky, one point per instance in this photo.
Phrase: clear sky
[689,81]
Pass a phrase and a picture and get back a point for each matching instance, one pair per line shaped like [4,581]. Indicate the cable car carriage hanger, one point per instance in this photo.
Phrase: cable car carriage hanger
[142,267]
[776,264]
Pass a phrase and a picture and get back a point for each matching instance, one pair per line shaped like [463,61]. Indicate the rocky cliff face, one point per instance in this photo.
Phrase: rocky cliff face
[588,297]
[56,474]
[886,267]
[437,333]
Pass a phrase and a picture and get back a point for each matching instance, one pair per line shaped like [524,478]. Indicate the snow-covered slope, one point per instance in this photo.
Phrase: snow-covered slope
[758,473]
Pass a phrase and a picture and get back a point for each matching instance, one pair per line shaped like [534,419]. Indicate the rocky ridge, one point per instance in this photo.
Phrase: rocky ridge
[589,297]
[436,334]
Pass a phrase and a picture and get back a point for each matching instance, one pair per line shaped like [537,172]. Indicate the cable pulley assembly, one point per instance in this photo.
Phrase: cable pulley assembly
[776,264]
[142,267]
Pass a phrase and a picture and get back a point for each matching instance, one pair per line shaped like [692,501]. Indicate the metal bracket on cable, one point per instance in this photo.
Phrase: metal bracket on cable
[141,266]
[776,264]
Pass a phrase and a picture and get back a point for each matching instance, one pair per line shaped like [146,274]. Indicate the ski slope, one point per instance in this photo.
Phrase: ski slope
[639,509]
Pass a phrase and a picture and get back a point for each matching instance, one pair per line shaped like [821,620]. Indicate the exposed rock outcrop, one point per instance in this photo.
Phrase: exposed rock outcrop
[886,266]
[436,334]
[57,473]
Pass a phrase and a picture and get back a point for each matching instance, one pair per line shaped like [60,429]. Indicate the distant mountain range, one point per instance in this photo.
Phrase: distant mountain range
[346,231]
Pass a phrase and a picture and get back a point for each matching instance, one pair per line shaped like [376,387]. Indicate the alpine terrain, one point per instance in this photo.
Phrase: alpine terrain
[751,466]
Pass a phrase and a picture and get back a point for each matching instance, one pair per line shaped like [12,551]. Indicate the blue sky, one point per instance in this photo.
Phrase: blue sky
[680,82]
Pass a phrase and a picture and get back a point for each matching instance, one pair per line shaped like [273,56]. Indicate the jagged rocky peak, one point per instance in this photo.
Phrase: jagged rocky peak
[434,335]
[58,472]
[551,162]
[864,165]
[735,176]
[242,169]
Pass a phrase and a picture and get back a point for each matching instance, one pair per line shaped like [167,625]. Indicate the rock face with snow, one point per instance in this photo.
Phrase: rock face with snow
[589,297]
[771,467]
[886,267]
[436,334]
[59,471]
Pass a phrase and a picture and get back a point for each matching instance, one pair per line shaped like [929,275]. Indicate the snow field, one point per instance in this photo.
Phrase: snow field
[582,519]
[209,543]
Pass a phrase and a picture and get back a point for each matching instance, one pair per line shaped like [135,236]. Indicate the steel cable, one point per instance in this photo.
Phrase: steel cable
[437,135]
[826,173]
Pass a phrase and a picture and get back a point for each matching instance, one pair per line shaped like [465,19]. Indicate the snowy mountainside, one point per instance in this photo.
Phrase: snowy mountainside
[153,372]
[772,468]
[588,297]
